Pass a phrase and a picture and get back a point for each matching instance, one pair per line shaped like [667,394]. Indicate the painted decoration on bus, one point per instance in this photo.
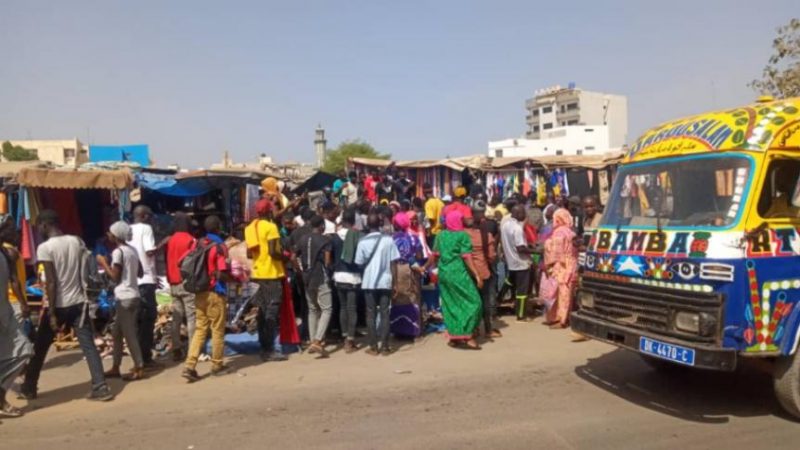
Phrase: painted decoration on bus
[756,127]
[764,243]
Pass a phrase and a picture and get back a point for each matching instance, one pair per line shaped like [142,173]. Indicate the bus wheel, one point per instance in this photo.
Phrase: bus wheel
[787,383]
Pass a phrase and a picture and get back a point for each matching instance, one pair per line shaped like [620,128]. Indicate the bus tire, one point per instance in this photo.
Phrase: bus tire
[787,383]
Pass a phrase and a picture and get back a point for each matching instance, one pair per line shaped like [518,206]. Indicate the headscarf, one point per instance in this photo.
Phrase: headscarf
[562,224]
[562,218]
[402,221]
[454,221]
[460,192]
[263,207]
[270,185]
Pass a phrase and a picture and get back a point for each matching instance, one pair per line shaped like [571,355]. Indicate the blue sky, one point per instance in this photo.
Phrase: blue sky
[418,79]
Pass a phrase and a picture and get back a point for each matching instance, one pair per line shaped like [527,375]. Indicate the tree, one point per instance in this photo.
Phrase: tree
[17,153]
[336,160]
[781,75]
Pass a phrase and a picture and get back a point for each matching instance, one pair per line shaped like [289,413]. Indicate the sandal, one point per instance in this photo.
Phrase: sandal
[9,411]
[112,373]
[472,345]
[495,334]
[134,375]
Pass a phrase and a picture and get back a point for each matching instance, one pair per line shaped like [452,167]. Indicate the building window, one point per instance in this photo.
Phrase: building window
[563,108]
[69,153]
[579,152]
[563,123]
[535,128]
[547,109]
[588,130]
[572,106]
[535,112]
[589,147]
[547,126]
[559,152]
[572,122]
[498,153]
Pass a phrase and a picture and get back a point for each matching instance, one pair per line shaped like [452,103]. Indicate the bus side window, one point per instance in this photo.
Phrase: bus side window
[780,198]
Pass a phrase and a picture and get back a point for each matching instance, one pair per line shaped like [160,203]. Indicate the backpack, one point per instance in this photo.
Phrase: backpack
[194,268]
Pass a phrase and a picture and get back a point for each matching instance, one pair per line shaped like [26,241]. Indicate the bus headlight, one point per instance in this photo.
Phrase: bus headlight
[701,323]
[586,299]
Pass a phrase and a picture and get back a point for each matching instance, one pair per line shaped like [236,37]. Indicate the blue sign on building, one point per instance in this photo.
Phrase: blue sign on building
[120,153]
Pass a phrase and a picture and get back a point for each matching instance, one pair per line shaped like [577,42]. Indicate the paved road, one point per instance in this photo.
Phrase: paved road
[531,389]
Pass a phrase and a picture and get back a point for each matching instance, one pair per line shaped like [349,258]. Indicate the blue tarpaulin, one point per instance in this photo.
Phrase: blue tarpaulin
[168,185]
[133,153]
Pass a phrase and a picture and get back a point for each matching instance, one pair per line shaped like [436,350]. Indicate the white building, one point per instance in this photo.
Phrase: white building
[569,140]
[66,152]
[569,121]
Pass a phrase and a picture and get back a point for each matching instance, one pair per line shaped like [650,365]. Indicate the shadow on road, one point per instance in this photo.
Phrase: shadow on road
[688,394]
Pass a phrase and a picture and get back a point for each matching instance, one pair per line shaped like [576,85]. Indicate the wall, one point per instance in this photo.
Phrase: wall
[569,140]
[69,152]
[615,114]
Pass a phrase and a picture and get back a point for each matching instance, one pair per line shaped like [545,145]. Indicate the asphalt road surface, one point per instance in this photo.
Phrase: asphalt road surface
[533,388]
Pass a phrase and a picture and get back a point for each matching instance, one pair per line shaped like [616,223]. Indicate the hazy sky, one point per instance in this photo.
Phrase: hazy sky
[418,79]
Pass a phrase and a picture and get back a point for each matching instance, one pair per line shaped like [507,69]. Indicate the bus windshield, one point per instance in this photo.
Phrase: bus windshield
[687,192]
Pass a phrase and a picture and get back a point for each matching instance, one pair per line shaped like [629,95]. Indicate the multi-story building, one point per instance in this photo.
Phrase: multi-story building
[569,121]
[562,107]
[68,152]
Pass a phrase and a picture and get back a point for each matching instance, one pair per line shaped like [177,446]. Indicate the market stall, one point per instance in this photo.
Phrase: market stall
[444,175]
[87,201]
[560,175]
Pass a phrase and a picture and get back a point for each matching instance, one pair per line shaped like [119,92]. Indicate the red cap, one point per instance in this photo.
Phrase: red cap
[263,206]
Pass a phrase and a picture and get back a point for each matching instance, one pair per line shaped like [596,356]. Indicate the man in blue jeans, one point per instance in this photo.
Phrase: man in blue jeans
[378,254]
[61,256]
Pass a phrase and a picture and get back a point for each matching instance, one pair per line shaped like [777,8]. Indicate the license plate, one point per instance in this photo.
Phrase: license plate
[675,353]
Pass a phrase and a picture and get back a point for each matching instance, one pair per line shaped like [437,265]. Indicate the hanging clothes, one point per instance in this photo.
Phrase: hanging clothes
[602,179]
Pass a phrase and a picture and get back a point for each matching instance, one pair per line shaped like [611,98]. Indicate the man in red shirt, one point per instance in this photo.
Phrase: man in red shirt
[177,247]
[211,307]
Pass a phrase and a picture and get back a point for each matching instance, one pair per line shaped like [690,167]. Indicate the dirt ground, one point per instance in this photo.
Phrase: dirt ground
[533,388]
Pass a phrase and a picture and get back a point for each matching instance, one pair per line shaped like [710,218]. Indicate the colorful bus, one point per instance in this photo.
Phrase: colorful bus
[697,258]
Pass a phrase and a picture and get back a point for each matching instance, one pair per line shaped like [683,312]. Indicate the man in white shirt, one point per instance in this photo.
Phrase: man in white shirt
[143,240]
[517,256]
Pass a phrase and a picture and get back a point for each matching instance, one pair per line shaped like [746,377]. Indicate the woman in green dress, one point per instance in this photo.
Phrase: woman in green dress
[461,303]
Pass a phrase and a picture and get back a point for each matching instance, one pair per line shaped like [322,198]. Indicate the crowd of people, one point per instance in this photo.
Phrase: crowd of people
[368,238]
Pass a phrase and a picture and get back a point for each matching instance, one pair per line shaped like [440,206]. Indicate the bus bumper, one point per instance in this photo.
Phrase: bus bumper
[706,356]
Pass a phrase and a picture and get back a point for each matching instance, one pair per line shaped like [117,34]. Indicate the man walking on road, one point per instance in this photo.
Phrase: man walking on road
[211,307]
[143,240]
[178,246]
[62,257]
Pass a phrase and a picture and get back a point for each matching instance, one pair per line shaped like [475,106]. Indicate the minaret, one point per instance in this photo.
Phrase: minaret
[319,146]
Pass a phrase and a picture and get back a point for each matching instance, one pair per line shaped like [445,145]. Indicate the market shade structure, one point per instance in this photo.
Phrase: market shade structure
[316,182]
[75,179]
[561,162]
[218,178]
[10,169]
[465,162]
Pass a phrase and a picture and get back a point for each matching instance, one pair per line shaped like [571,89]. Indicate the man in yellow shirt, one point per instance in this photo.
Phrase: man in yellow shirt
[264,247]
[433,210]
